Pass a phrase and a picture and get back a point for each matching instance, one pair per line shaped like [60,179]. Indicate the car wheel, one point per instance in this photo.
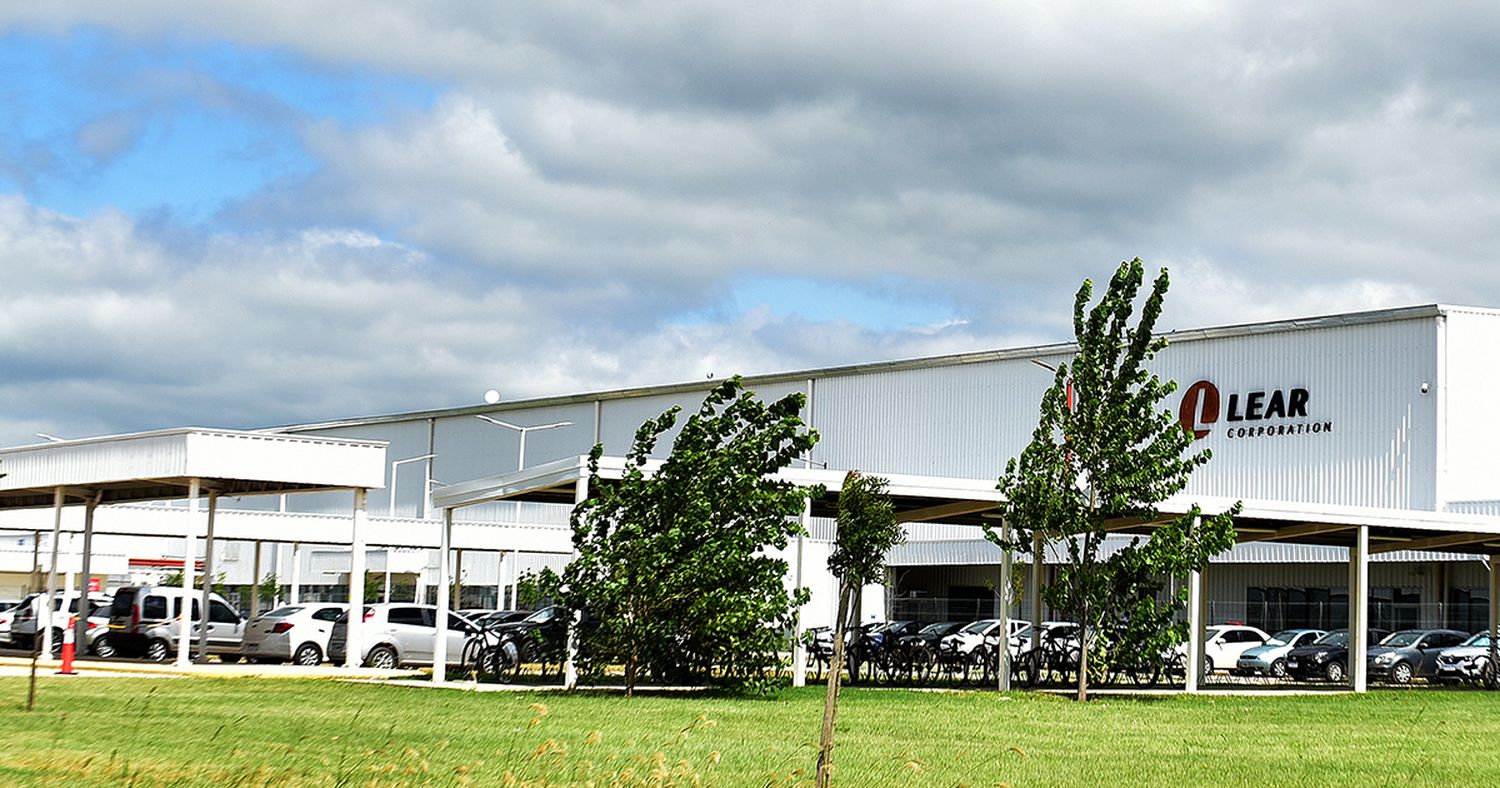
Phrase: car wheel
[1334,672]
[104,647]
[1278,669]
[1401,673]
[229,659]
[157,650]
[57,639]
[308,654]
[381,658]
[1208,667]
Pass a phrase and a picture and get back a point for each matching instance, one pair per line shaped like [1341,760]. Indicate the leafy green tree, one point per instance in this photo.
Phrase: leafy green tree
[536,589]
[867,530]
[1105,453]
[674,568]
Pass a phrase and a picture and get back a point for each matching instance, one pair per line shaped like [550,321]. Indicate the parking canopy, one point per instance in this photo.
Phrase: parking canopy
[190,463]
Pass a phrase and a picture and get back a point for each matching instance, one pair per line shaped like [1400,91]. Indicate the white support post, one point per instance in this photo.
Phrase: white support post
[208,576]
[354,654]
[515,593]
[255,582]
[440,633]
[799,649]
[458,578]
[500,580]
[189,568]
[1494,614]
[1359,609]
[44,620]
[570,667]
[1002,659]
[81,623]
[1034,591]
[295,592]
[387,596]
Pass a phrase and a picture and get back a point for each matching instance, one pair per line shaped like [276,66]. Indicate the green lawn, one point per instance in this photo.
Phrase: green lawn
[257,732]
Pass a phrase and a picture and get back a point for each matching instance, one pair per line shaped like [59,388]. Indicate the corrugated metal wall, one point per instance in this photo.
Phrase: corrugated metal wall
[1469,388]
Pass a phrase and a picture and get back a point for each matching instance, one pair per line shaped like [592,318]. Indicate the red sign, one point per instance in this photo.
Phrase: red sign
[95,585]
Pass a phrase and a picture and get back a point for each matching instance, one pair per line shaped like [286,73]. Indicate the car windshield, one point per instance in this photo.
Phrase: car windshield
[978,627]
[936,629]
[1335,638]
[1480,639]
[1402,639]
[542,616]
[1282,638]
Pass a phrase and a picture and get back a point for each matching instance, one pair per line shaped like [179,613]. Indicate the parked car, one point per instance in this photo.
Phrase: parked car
[1326,658]
[143,621]
[23,628]
[1270,659]
[1411,653]
[8,616]
[400,633]
[969,638]
[540,637]
[292,633]
[495,618]
[1466,661]
[1224,643]
[929,635]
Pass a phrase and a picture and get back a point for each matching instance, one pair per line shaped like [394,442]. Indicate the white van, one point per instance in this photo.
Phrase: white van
[143,621]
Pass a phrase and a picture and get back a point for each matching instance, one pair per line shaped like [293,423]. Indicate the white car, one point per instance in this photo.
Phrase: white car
[295,633]
[397,634]
[1466,661]
[1224,643]
[969,638]
[23,630]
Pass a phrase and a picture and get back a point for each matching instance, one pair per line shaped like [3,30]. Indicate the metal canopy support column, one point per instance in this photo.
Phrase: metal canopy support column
[1034,591]
[296,590]
[570,668]
[255,582]
[799,649]
[1494,664]
[208,576]
[1359,609]
[458,578]
[1002,660]
[44,621]
[355,648]
[440,631]
[189,568]
[80,626]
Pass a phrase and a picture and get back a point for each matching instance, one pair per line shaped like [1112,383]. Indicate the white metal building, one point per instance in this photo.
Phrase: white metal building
[1321,425]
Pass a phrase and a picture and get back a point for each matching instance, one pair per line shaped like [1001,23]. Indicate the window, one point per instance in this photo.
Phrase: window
[155,607]
[219,613]
[177,609]
[457,624]
[283,612]
[328,614]
[409,616]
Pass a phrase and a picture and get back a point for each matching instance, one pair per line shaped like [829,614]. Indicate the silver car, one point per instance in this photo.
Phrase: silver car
[1270,659]
[295,633]
[398,634]
[1466,661]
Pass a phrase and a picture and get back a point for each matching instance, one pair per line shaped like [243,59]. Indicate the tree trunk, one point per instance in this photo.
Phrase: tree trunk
[831,700]
[1083,652]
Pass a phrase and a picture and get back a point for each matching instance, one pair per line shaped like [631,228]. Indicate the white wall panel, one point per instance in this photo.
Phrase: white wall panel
[1469,387]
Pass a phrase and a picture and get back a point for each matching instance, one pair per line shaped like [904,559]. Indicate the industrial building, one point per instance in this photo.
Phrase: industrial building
[1369,431]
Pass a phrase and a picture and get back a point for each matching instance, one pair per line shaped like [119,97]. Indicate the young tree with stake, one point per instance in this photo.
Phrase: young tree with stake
[867,530]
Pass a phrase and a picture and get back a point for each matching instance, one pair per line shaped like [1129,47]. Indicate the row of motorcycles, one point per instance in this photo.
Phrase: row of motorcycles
[967,653]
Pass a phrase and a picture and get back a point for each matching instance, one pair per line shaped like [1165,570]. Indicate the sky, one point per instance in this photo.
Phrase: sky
[245,214]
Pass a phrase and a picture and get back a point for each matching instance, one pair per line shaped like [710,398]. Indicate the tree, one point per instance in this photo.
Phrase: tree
[1104,452]
[674,568]
[537,588]
[866,531]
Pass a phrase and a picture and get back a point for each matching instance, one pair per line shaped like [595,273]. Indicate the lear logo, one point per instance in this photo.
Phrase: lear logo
[1201,406]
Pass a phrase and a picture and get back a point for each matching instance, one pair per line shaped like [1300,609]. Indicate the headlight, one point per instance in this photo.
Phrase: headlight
[1320,656]
[1385,659]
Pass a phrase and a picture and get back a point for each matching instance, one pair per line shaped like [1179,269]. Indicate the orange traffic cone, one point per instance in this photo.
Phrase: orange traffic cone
[67,648]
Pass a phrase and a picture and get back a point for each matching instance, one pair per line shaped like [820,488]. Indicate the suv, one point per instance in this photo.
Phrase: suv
[396,634]
[143,620]
[23,628]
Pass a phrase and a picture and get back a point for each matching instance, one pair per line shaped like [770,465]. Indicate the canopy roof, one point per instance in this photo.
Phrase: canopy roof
[973,501]
[160,465]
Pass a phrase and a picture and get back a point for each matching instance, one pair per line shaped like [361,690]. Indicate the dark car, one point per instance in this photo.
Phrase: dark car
[930,634]
[1327,658]
[1411,653]
[539,637]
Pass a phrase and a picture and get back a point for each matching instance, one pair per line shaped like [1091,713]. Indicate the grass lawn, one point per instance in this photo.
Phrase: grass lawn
[254,732]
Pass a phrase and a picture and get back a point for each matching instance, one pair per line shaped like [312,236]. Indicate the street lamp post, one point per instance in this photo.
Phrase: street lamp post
[391,510]
[521,455]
